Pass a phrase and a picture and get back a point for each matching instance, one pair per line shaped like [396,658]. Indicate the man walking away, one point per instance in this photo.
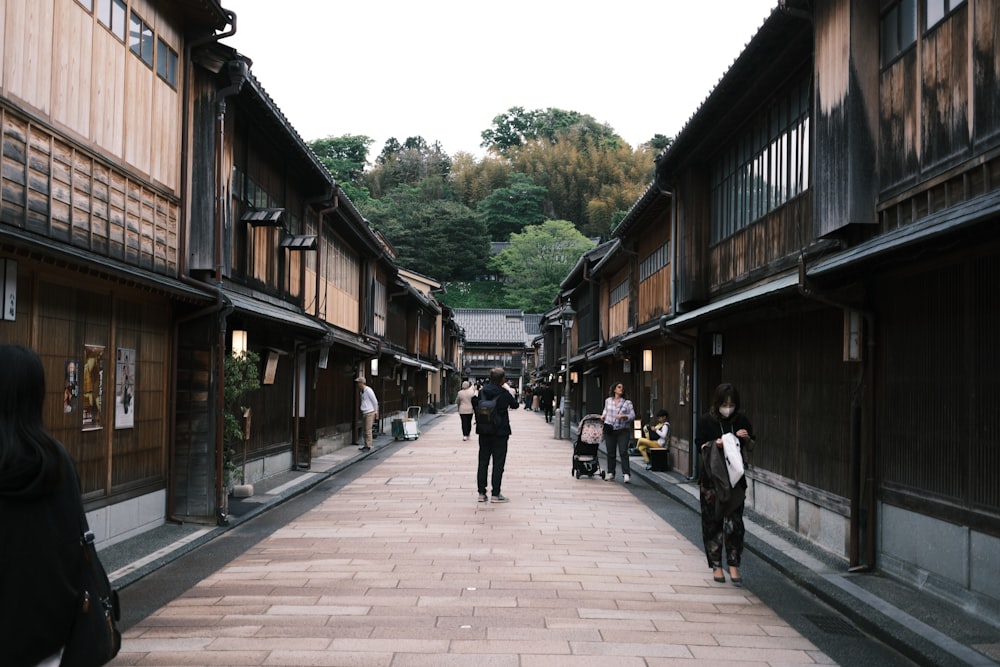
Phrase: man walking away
[493,428]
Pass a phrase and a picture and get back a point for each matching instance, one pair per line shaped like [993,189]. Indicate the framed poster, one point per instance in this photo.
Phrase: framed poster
[71,385]
[93,386]
[124,388]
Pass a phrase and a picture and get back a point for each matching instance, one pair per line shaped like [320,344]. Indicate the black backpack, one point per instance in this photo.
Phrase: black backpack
[486,415]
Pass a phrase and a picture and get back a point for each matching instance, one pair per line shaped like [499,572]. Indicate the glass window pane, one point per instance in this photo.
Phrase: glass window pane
[147,44]
[934,10]
[104,12]
[890,35]
[118,18]
[135,34]
[907,23]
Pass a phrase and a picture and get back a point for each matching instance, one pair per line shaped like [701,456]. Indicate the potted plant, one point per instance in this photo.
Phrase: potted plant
[242,376]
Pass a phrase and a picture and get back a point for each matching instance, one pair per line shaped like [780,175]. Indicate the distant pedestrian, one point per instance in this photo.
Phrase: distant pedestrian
[369,411]
[619,414]
[493,445]
[721,502]
[464,403]
[546,401]
[41,513]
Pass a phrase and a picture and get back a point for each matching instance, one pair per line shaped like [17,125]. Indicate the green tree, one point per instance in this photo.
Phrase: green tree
[345,157]
[242,377]
[511,209]
[439,238]
[408,163]
[518,127]
[537,261]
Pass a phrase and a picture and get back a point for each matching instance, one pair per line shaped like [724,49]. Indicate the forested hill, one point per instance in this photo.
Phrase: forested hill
[550,179]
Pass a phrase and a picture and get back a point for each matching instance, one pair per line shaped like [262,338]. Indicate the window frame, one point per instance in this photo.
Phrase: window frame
[167,61]
[897,33]
[141,42]
[766,166]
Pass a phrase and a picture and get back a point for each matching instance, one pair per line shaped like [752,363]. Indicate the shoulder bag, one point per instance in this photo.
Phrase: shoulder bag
[95,638]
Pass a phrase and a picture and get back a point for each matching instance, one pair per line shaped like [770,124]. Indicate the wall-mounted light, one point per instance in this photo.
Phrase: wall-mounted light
[240,341]
[853,332]
[716,345]
[647,361]
[573,377]
[374,372]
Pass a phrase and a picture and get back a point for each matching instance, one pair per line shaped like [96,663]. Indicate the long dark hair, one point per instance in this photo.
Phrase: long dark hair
[722,392]
[29,455]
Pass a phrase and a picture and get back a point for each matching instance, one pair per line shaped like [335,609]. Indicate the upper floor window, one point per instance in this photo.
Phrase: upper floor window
[619,293]
[655,261]
[766,165]
[111,14]
[166,62]
[140,39]
[936,10]
[87,4]
[899,29]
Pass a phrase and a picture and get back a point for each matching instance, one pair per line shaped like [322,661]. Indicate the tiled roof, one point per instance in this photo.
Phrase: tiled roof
[492,325]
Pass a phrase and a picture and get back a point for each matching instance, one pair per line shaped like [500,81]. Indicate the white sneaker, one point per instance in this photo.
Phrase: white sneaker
[625,479]
[609,478]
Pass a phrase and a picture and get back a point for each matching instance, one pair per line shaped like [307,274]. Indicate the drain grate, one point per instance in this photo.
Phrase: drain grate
[833,625]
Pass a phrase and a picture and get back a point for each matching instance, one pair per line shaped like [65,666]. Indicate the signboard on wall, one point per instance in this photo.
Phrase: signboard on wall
[8,279]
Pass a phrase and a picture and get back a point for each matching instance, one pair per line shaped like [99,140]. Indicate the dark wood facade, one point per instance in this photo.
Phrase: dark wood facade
[151,202]
[834,207]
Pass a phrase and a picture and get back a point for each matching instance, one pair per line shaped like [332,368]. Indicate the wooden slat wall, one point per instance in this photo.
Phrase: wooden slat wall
[777,237]
[944,90]
[138,453]
[796,390]
[618,320]
[57,190]
[70,316]
[107,97]
[71,71]
[654,292]
[938,373]
[27,55]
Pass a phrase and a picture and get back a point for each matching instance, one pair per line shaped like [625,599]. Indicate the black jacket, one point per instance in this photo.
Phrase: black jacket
[504,402]
[40,559]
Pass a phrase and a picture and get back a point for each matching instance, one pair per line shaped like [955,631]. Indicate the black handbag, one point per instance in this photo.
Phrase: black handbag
[95,639]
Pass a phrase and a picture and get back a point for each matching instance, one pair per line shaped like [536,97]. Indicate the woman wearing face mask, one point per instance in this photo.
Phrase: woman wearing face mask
[722,504]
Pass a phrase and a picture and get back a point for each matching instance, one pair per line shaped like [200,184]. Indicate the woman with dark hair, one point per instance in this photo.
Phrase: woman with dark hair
[618,417]
[722,526]
[40,513]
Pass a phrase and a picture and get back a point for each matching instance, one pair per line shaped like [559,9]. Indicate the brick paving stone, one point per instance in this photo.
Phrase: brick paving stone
[402,567]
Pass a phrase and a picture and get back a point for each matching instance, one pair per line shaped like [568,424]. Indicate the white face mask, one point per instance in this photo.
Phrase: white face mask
[726,412]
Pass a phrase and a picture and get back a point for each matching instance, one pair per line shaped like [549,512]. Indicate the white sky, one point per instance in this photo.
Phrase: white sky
[443,69]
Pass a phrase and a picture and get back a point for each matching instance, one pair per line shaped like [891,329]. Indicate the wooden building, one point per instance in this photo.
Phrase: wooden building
[829,217]
[493,338]
[157,211]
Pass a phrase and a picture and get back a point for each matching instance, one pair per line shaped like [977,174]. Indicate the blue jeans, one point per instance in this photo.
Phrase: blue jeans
[495,447]
[617,440]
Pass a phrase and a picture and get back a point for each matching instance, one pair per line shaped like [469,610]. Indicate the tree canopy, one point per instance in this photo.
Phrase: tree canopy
[511,209]
[548,172]
[537,261]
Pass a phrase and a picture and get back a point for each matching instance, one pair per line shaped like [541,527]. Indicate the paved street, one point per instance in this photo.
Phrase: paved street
[401,566]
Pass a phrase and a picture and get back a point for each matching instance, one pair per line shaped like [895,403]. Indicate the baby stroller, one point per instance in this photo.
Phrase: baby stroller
[588,439]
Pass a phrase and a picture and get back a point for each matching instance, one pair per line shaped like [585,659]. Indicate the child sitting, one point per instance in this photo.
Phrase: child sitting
[661,429]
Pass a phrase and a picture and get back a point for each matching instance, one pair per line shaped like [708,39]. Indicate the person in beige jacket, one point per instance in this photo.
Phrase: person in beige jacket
[464,403]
